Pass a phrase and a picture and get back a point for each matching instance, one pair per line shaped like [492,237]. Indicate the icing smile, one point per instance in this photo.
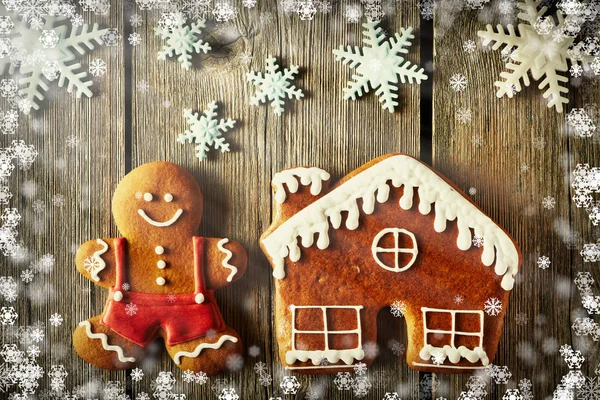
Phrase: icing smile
[160,224]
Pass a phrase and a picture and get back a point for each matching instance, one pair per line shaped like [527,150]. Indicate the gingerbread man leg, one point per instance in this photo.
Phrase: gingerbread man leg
[214,348]
[99,345]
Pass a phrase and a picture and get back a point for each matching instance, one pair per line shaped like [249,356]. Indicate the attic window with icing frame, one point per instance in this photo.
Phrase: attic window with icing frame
[396,249]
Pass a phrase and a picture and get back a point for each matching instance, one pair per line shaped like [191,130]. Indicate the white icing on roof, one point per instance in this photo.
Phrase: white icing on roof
[313,176]
[371,185]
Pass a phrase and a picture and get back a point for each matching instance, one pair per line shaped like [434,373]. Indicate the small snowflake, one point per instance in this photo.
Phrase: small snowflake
[111,37]
[393,66]
[477,141]
[97,67]
[458,82]
[206,131]
[131,309]
[134,39]
[166,104]
[463,115]
[576,70]
[343,381]
[72,142]
[478,241]
[469,46]
[543,262]
[125,286]
[27,275]
[265,379]
[548,202]
[492,306]
[142,86]
[8,316]
[137,374]
[246,57]
[438,357]
[361,386]
[58,200]
[524,167]
[522,319]
[136,20]
[590,252]
[200,378]
[33,351]
[228,394]
[459,299]
[254,351]
[360,368]
[182,41]
[289,384]
[580,122]
[398,308]
[224,12]
[274,86]
[56,319]
[353,13]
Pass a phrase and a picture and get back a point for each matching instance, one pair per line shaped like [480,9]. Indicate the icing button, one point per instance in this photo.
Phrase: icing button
[159,250]
[147,197]
[160,281]
[118,295]
[168,197]
[199,298]
[161,264]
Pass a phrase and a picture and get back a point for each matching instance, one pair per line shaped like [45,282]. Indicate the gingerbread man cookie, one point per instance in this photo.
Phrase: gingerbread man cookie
[392,233]
[160,276]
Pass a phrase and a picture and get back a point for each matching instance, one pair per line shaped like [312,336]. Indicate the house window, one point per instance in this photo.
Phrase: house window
[336,329]
[454,334]
[395,249]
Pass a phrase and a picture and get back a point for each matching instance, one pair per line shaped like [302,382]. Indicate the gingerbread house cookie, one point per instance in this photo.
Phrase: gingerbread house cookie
[391,232]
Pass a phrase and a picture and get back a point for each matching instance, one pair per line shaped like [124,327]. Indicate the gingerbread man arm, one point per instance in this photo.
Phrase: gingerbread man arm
[95,259]
[225,262]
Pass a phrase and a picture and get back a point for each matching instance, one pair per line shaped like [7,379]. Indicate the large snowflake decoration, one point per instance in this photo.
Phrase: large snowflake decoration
[543,50]
[182,40]
[42,57]
[206,131]
[379,65]
[274,85]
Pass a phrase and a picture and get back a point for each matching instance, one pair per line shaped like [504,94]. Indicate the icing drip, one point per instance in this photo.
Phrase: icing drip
[454,354]
[228,255]
[104,339]
[313,176]
[202,346]
[100,264]
[372,185]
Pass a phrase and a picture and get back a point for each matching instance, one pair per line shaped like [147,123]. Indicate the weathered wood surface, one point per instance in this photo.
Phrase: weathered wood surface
[121,128]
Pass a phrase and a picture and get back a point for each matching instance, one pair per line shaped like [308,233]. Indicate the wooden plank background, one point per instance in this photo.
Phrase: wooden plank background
[121,128]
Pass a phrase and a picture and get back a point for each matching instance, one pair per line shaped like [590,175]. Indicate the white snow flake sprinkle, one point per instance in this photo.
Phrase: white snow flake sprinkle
[492,306]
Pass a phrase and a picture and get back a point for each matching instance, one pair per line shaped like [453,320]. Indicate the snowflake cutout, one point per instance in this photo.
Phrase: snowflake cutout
[8,316]
[492,306]
[590,252]
[398,308]
[50,56]
[274,85]
[548,202]
[463,115]
[131,309]
[360,368]
[137,374]
[228,394]
[540,54]
[343,381]
[206,131]
[391,65]
[458,82]
[182,41]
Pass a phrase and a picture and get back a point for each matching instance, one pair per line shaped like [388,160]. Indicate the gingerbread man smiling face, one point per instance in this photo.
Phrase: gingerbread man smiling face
[160,275]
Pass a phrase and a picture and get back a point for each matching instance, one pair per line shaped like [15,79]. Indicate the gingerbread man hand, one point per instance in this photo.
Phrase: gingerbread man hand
[161,273]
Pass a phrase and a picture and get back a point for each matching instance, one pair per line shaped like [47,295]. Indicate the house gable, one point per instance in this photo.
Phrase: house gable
[372,185]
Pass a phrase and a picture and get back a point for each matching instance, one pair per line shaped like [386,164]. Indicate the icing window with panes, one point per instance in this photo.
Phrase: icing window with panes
[454,328]
[320,333]
[395,249]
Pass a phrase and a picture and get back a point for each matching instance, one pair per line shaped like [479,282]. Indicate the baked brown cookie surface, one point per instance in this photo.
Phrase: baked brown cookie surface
[160,276]
[391,232]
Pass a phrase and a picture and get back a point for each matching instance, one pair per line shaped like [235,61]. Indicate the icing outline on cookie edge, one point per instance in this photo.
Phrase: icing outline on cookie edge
[152,222]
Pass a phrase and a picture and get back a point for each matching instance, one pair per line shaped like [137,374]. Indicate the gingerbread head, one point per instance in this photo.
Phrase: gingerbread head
[160,276]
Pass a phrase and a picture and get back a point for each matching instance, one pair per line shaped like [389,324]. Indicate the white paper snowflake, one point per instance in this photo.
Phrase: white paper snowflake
[51,57]
[463,115]
[183,41]
[548,202]
[343,381]
[388,68]
[458,82]
[200,378]
[492,306]
[206,130]
[361,386]
[590,252]
[274,85]
[27,275]
[360,368]
[289,384]
[543,53]
[228,394]
[131,309]
[580,122]
[137,374]
[8,316]
[469,46]
[398,308]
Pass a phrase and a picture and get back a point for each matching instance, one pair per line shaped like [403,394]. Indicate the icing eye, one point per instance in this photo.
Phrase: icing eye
[147,197]
[168,197]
